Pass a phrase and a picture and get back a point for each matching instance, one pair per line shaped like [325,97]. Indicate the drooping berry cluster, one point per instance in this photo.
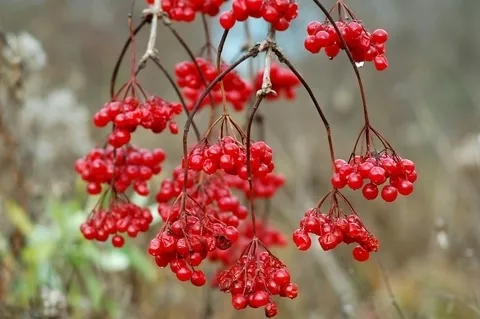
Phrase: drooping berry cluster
[284,82]
[333,230]
[279,13]
[255,278]
[230,155]
[126,115]
[186,239]
[120,217]
[237,90]
[186,10]
[211,193]
[120,167]
[363,45]
[371,171]
[268,235]
[263,187]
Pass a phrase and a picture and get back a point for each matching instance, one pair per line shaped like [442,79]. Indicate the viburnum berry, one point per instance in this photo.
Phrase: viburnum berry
[333,228]
[255,278]
[371,171]
[283,81]
[237,90]
[363,45]
[279,13]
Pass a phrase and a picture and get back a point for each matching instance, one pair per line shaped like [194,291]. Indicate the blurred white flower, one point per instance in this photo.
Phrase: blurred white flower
[56,127]
[26,48]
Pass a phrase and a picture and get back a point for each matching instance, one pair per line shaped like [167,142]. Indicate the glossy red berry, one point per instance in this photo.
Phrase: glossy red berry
[389,193]
[360,254]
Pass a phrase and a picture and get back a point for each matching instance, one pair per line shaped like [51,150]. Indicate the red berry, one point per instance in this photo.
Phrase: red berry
[379,36]
[355,181]
[227,20]
[360,254]
[184,274]
[389,193]
[198,278]
[370,191]
[239,302]
[301,240]
[377,175]
[258,299]
[118,241]
[405,187]
[381,62]
[311,44]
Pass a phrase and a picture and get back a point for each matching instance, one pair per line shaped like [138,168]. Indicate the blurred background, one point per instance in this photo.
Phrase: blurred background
[56,59]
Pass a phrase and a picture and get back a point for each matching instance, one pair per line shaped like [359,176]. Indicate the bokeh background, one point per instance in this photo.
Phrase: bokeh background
[56,58]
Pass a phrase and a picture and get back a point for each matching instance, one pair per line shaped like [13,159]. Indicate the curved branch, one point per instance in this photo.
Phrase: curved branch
[284,60]
[350,57]
[122,53]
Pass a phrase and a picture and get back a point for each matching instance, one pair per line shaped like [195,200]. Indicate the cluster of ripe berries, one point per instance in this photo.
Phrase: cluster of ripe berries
[193,84]
[255,278]
[154,114]
[186,10]
[284,82]
[120,167]
[363,45]
[269,236]
[120,217]
[279,13]
[231,156]
[333,230]
[212,195]
[263,187]
[396,174]
[186,239]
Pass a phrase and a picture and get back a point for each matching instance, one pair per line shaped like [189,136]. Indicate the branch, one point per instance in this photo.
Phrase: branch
[284,60]
[123,52]
[155,10]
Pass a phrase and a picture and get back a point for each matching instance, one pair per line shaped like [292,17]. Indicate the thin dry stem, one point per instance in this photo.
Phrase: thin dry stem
[155,10]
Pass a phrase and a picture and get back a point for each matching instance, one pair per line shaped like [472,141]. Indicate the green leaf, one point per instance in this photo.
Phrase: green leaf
[114,260]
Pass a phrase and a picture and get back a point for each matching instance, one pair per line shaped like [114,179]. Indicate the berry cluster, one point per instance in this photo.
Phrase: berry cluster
[363,45]
[186,239]
[211,194]
[186,10]
[333,230]
[255,278]
[263,187]
[279,13]
[230,155]
[120,217]
[237,90]
[268,235]
[376,170]
[126,115]
[282,79]
[120,167]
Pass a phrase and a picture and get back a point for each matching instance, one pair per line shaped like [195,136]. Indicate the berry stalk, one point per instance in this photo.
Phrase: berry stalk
[354,65]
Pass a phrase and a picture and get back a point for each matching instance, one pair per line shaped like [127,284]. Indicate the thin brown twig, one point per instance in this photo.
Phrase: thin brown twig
[284,60]
[352,62]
